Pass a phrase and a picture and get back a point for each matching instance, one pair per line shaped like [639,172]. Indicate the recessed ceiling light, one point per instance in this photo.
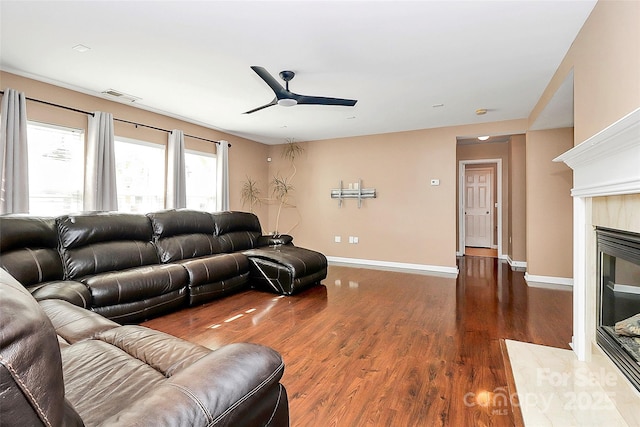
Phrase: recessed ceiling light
[81,48]
[351,117]
[437,105]
[481,111]
[483,138]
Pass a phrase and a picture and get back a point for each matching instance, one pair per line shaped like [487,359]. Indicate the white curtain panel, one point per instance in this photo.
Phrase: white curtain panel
[222,179]
[176,196]
[14,191]
[100,193]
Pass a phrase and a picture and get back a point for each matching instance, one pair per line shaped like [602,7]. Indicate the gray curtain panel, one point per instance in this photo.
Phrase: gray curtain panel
[222,179]
[100,193]
[176,194]
[14,170]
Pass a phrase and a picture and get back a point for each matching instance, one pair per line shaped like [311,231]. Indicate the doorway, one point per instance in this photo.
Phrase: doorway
[480,207]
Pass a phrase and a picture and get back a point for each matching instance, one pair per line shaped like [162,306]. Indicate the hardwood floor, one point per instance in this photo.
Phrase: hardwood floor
[382,348]
[485,252]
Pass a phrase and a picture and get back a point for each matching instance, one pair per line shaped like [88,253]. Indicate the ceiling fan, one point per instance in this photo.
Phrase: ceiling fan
[287,99]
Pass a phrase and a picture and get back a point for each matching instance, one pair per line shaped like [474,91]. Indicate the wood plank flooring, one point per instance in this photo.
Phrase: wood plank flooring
[383,348]
[485,252]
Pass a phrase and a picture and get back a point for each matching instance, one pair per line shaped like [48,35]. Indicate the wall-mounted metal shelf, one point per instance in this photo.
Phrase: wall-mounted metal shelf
[353,193]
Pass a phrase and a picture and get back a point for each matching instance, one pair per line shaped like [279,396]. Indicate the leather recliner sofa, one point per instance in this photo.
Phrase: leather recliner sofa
[62,365]
[131,267]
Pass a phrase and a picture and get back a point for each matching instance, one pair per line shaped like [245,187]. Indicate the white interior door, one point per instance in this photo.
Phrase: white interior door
[478,209]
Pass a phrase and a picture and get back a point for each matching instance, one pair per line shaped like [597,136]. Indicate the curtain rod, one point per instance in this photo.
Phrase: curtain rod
[116,119]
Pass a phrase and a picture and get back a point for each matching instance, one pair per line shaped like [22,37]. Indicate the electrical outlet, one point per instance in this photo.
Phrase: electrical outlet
[350,239]
[355,239]
[337,239]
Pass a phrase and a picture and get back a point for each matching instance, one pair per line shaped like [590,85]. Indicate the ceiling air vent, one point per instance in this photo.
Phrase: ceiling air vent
[120,95]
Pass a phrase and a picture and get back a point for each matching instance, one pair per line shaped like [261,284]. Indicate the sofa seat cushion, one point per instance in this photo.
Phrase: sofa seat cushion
[165,353]
[135,284]
[74,324]
[99,379]
[213,276]
[131,360]
[286,269]
[144,309]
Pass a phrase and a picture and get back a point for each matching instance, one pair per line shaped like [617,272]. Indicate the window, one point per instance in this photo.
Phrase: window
[140,175]
[200,180]
[56,169]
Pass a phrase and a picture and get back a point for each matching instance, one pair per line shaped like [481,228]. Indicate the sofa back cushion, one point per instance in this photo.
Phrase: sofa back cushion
[237,231]
[31,382]
[183,234]
[98,242]
[28,249]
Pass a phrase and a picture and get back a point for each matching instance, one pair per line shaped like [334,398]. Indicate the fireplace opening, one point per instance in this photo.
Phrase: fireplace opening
[618,299]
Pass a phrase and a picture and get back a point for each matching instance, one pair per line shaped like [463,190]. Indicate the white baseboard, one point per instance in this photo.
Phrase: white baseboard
[514,264]
[550,282]
[402,266]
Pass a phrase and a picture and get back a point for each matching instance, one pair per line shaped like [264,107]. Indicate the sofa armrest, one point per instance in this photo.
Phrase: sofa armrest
[74,323]
[68,290]
[235,385]
[270,240]
[163,352]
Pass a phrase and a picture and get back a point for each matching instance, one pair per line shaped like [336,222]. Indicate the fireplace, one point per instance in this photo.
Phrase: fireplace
[606,194]
[618,299]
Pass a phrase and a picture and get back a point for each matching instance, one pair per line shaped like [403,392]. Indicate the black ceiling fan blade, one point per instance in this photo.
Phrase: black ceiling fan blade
[276,87]
[274,102]
[321,100]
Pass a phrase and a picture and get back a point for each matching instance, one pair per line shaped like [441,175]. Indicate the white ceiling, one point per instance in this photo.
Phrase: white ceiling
[191,59]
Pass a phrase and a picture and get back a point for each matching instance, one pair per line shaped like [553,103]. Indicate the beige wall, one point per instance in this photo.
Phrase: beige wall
[410,221]
[245,157]
[549,204]
[605,58]
[517,248]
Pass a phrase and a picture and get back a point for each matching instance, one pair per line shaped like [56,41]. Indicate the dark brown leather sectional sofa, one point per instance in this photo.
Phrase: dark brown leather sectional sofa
[65,361]
[130,267]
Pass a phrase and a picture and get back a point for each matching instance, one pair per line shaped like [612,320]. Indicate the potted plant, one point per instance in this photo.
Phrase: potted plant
[281,185]
[250,193]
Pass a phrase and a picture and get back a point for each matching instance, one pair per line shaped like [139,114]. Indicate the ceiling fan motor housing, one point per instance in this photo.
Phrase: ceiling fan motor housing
[287,75]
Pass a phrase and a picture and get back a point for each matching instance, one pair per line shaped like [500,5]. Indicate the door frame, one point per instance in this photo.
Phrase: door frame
[462,166]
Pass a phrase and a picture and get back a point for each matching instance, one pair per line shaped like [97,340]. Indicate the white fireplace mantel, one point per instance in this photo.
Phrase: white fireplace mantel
[606,164]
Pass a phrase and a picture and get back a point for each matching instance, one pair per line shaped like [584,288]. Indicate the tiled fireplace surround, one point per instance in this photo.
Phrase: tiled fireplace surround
[606,192]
